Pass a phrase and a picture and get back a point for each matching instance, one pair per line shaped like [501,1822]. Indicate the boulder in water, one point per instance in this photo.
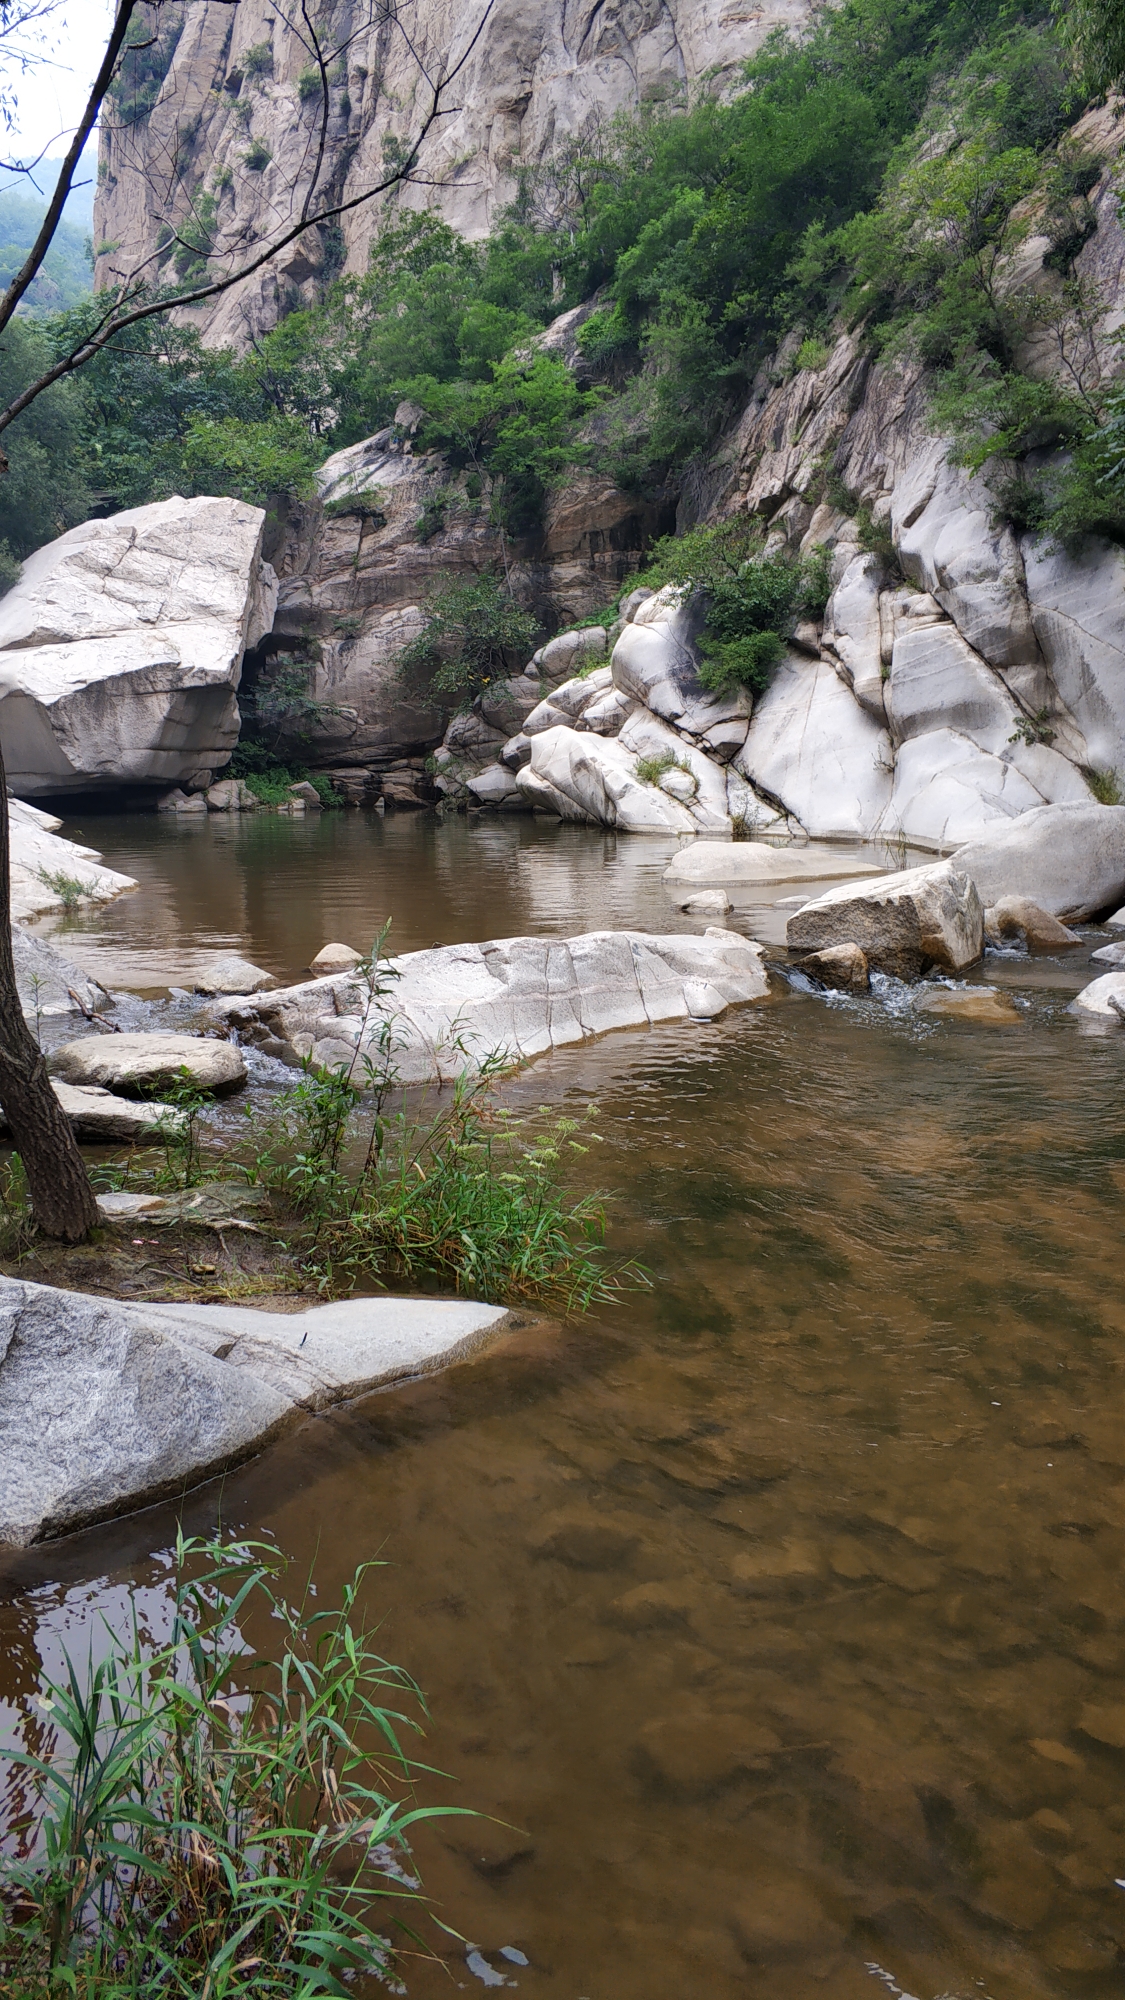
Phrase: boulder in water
[842,968]
[904,924]
[1018,916]
[1069,859]
[140,1063]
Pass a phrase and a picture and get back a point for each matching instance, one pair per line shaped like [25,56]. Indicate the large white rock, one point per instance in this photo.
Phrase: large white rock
[853,631]
[1103,999]
[947,789]
[593,779]
[942,521]
[904,924]
[938,682]
[654,663]
[1078,609]
[105,1405]
[42,865]
[814,749]
[1070,859]
[121,647]
[516,997]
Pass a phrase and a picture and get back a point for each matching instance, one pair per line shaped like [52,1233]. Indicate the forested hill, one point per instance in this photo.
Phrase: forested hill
[884,169]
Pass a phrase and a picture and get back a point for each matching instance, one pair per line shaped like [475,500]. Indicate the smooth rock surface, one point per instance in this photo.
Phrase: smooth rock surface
[121,647]
[903,923]
[98,1114]
[707,903]
[1103,999]
[105,1405]
[518,997]
[46,979]
[140,1062]
[814,750]
[41,864]
[1070,859]
[593,780]
[1109,954]
[232,975]
[753,862]
[334,958]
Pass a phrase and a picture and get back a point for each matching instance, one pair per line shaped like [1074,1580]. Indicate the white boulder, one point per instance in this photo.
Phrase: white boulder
[105,1405]
[139,1063]
[121,646]
[1070,859]
[1076,606]
[815,750]
[518,997]
[904,924]
[654,663]
[1103,999]
[593,780]
[853,631]
[753,863]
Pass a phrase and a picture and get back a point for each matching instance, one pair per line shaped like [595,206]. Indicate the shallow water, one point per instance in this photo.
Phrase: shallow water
[781,1609]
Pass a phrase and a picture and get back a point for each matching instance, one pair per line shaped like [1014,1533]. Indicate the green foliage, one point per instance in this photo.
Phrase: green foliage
[258,461]
[651,769]
[65,277]
[211,1819]
[449,1190]
[1094,31]
[475,632]
[749,599]
[68,888]
[44,492]
[11,569]
[257,156]
[258,60]
[1106,787]
[812,353]
[518,429]
[145,61]
[308,84]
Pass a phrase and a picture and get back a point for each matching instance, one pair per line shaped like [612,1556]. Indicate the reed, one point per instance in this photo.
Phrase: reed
[197,1821]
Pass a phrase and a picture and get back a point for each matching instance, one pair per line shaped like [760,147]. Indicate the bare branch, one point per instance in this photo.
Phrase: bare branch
[131,306]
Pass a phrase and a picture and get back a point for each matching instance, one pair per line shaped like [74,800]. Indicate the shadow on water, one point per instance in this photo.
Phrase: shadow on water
[779,1615]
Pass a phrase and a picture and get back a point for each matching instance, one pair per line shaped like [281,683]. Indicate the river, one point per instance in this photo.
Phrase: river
[779,1610]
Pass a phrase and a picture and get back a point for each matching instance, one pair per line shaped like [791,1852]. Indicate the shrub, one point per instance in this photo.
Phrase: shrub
[1106,787]
[812,353]
[651,769]
[475,633]
[448,1189]
[257,156]
[309,84]
[206,1820]
[750,599]
[145,62]
[258,61]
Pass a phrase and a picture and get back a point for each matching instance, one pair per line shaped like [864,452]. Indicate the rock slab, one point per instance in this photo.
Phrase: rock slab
[1069,859]
[105,1405]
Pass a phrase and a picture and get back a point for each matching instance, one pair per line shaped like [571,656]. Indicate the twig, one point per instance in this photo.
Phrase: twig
[97,1020]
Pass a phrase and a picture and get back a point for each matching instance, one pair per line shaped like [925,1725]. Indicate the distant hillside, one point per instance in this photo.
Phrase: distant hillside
[66,276]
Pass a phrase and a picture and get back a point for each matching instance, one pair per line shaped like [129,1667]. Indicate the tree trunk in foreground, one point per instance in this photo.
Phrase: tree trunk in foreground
[62,1200]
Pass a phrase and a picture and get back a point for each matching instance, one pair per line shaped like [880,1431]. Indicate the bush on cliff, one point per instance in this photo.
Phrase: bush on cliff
[750,599]
[474,633]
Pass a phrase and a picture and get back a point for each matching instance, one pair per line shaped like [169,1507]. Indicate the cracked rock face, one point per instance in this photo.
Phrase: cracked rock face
[121,647]
[517,997]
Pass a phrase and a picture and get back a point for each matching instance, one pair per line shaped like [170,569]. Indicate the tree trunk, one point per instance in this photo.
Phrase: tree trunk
[62,1200]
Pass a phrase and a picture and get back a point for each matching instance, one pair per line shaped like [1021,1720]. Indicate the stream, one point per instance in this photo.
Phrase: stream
[776,1614]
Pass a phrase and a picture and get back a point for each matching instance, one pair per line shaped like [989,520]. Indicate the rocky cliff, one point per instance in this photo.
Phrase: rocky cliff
[237,117]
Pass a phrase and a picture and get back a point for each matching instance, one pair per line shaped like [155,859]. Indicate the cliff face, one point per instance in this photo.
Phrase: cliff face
[543,72]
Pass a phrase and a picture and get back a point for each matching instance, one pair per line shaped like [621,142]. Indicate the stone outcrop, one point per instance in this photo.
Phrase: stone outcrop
[513,997]
[105,1405]
[49,983]
[45,871]
[121,648]
[1070,859]
[538,77]
[904,924]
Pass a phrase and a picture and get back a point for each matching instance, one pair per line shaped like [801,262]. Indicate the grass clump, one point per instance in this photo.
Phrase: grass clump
[67,888]
[198,1818]
[440,1186]
[1106,787]
[651,769]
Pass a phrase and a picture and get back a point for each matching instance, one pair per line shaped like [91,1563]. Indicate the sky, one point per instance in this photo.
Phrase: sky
[51,97]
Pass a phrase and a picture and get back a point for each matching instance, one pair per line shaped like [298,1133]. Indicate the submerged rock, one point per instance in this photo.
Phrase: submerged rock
[335,958]
[105,1405]
[707,903]
[903,923]
[232,975]
[753,862]
[1103,1000]
[121,647]
[139,1063]
[985,1005]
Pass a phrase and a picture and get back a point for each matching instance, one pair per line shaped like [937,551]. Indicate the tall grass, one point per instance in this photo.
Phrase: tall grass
[199,1822]
[452,1190]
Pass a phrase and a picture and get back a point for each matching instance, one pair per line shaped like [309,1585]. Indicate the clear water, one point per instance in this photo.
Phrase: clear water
[780,1610]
